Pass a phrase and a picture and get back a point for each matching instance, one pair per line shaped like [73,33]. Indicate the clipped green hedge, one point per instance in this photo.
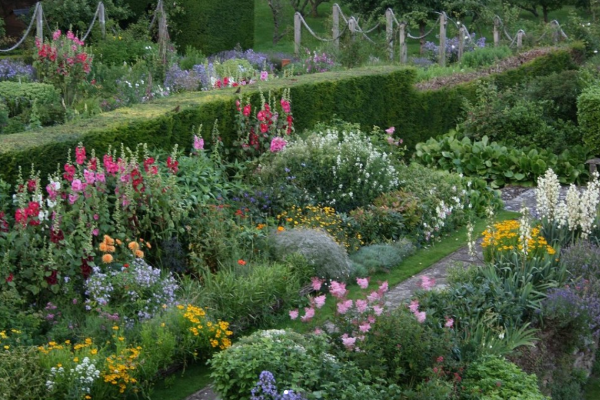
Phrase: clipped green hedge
[383,96]
[215,25]
[588,115]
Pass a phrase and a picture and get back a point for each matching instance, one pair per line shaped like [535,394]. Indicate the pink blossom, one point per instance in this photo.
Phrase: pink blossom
[316,283]
[309,313]
[264,75]
[90,176]
[337,289]
[56,35]
[285,105]
[390,130]
[294,314]
[371,319]
[320,301]
[100,177]
[378,310]
[344,306]
[391,140]
[80,155]
[73,198]
[96,217]
[198,143]
[95,232]
[427,283]
[77,185]
[449,323]
[414,306]
[349,342]
[421,316]
[70,35]
[383,287]
[373,297]
[361,306]
[277,144]
[363,282]
[364,327]
[318,331]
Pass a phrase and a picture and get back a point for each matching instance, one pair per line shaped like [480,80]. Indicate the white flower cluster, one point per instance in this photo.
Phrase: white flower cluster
[579,210]
[85,374]
[443,212]
[525,230]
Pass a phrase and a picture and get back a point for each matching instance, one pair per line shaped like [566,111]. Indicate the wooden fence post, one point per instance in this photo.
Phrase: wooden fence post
[102,18]
[336,26]
[403,49]
[442,55]
[39,21]
[520,35]
[461,42]
[496,32]
[352,25]
[389,31]
[297,33]
[162,31]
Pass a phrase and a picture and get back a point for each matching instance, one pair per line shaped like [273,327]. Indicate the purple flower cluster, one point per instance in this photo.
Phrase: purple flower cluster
[11,70]
[318,62]
[179,80]
[452,45]
[260,61]
[266,389]
[205,72]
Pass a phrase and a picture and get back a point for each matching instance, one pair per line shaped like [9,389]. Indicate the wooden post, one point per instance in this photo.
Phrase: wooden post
[403,49]
[336,26]
[297,33]
[389,31]
[352,25]
[461,42]
[520,35]
[496,32]
[162,31]
[102,18]
[442,55]
[39,21]
[556,26]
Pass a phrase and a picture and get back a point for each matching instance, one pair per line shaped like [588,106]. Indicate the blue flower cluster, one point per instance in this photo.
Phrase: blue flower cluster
[179,80]
[266,389]
[11,70]
[259,61]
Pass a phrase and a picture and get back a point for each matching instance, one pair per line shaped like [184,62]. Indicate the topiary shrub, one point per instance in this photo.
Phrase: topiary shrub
[328,258]
[588,115]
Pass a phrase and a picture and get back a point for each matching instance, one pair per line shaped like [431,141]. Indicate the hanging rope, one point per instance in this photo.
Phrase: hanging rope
[341,13]
[408,34]
[364,33]
[26,32]
[315,35]
[93,22]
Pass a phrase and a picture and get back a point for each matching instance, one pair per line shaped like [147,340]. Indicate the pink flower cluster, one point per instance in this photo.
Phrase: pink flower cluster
[390,139]
[277,144]
[427,283]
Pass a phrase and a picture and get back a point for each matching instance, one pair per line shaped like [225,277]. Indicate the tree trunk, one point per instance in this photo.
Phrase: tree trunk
[422,27]
[275,6]
[545,10]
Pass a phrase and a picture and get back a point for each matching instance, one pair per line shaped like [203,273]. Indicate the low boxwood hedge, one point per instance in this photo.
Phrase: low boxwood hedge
[382,96]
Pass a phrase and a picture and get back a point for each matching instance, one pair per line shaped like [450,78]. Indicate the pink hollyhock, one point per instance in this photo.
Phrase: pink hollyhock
[80,155]
[247,110]
[378,310]
[294,314]
[344,306]
[277,144]
[320,301]
[364,327]
[373,297]
[198,143]
[361,306]
[264,128]
[414,306]
[56,35]
[363,282]
[349,342]
[337,289]
[285,105]
[21,216]
[316,283]
[264,75]
[95,232]
[391,140]
[73,198]
[100,177]
[90,176]
[70,35]
[77,185]
[309,313]
[390,130]
[449,323]
[421,316]
[427,283]
[69,172]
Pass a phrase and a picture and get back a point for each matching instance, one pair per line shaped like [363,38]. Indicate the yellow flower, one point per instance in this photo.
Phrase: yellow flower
[115,328]
[76,359]
[6,347]
[94,351]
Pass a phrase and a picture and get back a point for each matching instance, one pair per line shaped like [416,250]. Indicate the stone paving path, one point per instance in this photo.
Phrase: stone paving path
[514,199]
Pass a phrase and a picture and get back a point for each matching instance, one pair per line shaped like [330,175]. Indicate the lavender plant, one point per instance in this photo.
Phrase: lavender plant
[179,80]
[11,70]
[259,61]
[266,389]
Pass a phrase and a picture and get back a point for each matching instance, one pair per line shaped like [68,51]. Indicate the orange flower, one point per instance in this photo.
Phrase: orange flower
[148,245]
[108,240]
[139,254]
[110,249]
[103,247]
[241,262]
[119,242]
[280,229]
[133,246]
[107,258]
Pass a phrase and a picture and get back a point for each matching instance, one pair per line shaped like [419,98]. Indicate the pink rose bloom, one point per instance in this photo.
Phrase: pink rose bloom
[378,310]
[373,297]
[390,130]
[361,306]
[320,301]
[73,198]
[449,323]
[277,144]
[421,316]
[264,75]
[383,287]
[427,283]
[337,289]
[77,185]
[364,327]
[198,143]
[344,306]
[316,283]
[414,306]
[363,282]
[349,342]
[309,313]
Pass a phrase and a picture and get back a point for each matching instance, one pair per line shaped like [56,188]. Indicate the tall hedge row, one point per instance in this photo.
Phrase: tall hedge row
[588,116]
[383,96]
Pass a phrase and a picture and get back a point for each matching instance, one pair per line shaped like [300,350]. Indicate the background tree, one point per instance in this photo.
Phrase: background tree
[77,14]
[276,7]
[300,6]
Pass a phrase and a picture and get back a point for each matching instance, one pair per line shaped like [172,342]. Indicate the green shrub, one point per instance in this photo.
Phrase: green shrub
[215,25]
[21,376]
[376,224]
[501,165]
[485,56]
[192,57]
[119,48]
[562,89]
[20,97]
[494,378]
[382,257]
[588,114]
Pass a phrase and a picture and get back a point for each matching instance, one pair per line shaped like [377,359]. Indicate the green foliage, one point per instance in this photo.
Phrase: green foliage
[19,97]
[494,378]
[121,47]
[192,57]
[382,257]
[588,113]
[21,375]
[485,56]
[499,164]
[375,224]
[562,89]
[215,25]
[78,14]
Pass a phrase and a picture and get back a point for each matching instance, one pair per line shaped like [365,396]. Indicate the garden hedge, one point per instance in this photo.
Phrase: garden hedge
[588,116]
[382,96]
